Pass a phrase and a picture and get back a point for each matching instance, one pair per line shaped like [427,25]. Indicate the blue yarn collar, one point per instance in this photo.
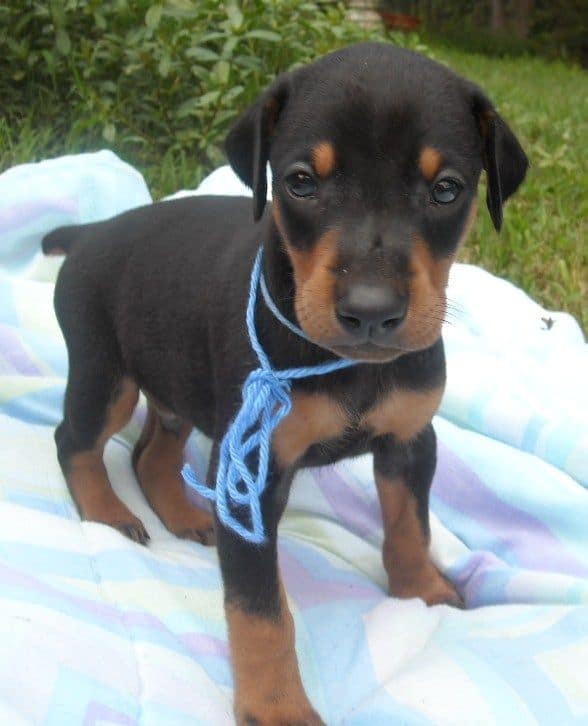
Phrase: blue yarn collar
[269,301]
[265,402]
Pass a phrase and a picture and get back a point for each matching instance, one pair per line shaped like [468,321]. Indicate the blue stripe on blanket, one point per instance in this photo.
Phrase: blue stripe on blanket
[39,407]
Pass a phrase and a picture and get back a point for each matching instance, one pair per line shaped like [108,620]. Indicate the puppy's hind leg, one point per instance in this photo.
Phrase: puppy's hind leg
[158,460]
[99,401]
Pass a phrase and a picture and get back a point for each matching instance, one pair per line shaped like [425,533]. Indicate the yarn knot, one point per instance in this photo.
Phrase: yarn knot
[245,450]
[267,382]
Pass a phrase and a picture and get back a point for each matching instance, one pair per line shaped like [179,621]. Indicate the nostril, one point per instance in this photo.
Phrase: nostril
[392,323]
[349,321]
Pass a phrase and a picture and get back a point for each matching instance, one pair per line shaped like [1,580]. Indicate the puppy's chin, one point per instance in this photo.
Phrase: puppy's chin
[367,353]
[371,353]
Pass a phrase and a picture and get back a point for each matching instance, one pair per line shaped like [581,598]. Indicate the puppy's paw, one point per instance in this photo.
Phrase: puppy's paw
[205,536]
[429,585]
[194,524]
[133,529]
[276,716]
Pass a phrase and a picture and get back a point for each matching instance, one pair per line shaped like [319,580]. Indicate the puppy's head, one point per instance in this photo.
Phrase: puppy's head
[376,154]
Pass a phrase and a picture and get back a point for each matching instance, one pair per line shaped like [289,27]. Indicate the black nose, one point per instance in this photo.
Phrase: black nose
[371,311]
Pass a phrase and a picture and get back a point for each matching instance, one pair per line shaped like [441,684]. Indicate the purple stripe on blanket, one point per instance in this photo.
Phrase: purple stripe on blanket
[100,713]
[105,615]
[359,515]
[15,354]
[470,574]
[15,215]
[527,541]
[308,590]
[203,644]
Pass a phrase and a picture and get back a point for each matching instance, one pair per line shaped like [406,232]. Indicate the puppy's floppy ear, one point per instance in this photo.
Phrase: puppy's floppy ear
[505,161]
[248,142]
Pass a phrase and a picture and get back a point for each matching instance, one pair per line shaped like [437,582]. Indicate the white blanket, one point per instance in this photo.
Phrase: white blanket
[95,629]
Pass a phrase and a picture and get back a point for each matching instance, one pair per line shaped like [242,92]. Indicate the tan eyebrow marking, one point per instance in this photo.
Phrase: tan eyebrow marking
[323,158]
[430,162]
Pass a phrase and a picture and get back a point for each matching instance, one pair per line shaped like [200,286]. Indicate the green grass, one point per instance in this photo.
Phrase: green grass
[542,246]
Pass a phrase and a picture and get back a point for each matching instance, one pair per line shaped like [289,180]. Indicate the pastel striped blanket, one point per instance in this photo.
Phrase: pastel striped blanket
[95,629]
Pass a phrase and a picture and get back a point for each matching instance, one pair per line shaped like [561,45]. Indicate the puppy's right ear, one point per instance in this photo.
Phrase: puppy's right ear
[248,142]
[505,161]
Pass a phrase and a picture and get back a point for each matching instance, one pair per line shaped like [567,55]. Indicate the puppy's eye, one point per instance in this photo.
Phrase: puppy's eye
[446,190]
[300,184]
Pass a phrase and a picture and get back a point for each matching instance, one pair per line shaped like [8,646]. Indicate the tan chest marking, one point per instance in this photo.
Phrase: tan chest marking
[403,413]
[313,418]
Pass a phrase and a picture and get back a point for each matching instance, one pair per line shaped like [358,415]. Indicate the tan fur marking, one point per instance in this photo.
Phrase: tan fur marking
[92,492]
[158,470]
[121,410]
[313,418]
[315,287]
[403,413]
[86,474]
[405,543]
[430,162]
[426,312]
[437,271]
[314,261]
[406,548]
[315,282]
[268,686]
[323,159]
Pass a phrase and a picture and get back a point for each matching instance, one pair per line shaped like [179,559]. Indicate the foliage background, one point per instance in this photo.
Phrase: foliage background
[504,27]
[161,82]
[158,81]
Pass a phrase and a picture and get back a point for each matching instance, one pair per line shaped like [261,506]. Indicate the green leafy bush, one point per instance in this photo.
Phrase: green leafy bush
[163,79]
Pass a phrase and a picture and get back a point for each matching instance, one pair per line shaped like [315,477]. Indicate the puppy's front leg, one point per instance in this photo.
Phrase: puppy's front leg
[268,687]
[403,473]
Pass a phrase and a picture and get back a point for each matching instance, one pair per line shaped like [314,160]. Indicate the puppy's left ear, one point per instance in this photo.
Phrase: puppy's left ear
[505,161]
[248,142]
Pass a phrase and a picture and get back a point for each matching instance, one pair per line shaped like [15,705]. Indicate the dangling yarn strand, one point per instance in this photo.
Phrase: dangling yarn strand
[265,402]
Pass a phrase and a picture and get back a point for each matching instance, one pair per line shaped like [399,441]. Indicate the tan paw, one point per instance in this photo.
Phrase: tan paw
[194,524]
[134,530]
[278,715]
[119,517]
[429,585]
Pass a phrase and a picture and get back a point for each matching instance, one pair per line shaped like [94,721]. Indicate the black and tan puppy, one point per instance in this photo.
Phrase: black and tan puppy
[376,154]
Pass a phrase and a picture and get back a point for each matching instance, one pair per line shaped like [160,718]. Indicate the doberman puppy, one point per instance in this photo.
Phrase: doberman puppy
[375,154]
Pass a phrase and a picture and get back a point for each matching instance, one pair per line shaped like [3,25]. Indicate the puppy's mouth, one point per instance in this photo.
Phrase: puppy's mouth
[368,352]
